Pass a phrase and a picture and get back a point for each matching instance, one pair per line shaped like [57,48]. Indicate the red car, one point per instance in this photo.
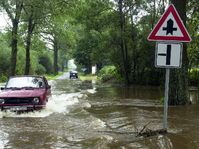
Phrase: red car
[25,93]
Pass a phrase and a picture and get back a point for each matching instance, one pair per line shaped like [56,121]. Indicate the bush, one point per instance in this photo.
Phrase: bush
[46,62]
[108,73]
[4,56]
[40,69]
[4,61]
[194,76]
[3,78]
[21,61]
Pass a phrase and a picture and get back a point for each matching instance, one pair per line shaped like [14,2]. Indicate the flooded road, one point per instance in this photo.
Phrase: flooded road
[86,115]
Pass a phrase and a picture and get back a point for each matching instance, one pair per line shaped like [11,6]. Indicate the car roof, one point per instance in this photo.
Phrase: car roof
[73,71]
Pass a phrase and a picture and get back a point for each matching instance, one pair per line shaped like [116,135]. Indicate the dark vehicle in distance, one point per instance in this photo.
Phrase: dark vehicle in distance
[73,74]
[25,93]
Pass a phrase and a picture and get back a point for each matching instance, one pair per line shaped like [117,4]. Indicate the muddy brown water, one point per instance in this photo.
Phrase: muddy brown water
[83,115]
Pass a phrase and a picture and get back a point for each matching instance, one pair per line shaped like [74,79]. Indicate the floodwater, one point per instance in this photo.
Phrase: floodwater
[84,115]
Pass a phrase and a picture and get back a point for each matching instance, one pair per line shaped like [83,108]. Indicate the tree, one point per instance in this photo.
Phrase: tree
[54,29]
[123,42]
[178,92]
[14,10]
[193,22]
[34,13]
[93,47]
[4,55]
[50,35]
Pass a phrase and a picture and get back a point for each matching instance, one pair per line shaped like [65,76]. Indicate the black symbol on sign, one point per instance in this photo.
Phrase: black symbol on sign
[167,54]
[169,27]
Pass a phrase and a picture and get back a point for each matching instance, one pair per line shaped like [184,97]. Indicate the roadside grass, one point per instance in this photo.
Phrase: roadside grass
[88,77]
[53,77]
[4,79]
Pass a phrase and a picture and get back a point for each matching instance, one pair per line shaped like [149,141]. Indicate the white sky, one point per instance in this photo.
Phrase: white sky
[4,21]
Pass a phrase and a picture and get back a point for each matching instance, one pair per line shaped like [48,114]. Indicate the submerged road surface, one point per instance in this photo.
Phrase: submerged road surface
[83,115]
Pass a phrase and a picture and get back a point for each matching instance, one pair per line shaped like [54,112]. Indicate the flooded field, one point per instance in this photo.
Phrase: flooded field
[85,115]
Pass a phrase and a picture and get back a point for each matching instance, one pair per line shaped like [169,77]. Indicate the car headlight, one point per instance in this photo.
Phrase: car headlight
[35,100]
[2,101]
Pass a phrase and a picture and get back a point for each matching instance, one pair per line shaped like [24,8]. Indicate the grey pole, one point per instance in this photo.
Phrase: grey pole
[166,98]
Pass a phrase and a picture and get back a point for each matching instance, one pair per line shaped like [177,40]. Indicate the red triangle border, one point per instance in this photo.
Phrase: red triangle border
[171,9]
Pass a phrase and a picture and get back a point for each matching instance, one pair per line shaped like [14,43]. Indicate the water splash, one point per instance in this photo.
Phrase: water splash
[57,104]
[60,103]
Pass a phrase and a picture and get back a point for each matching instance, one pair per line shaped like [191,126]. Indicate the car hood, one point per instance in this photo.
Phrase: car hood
[22,93]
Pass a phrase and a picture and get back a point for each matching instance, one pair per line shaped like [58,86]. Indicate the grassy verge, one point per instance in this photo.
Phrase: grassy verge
[87,77]
[53,77]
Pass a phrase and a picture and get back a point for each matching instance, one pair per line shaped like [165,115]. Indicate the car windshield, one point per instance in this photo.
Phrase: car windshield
[21,82]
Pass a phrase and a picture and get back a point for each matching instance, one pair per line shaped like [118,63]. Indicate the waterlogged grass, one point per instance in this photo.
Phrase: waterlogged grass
[87,77]
[53,77]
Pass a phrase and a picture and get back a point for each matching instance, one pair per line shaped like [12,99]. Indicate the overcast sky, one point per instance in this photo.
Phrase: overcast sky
[3,20]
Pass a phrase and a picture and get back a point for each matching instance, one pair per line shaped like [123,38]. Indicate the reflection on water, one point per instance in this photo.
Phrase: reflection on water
[89,115]
[128,110]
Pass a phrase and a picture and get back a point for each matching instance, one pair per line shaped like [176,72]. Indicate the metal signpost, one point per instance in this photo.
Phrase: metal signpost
[171,32]
[166,98]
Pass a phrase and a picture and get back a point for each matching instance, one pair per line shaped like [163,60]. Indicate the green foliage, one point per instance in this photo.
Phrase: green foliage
[20,61]
[3,78]
[194,76]
[92,46]
[108,73]
[4,55]
[193,23]
[90,31]
[53,77]
[88,77]
[40,69]
[46,61]
[33,62]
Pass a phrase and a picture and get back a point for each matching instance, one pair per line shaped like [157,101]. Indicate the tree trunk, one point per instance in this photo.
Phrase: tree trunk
[133,64]
[28,44]
[14,48]
[154,13]
[178,92]
[123,43]
[55,57]
[15,22]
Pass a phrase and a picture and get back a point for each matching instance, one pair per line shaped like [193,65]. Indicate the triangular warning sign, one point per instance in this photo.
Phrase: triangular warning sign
[170,28]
